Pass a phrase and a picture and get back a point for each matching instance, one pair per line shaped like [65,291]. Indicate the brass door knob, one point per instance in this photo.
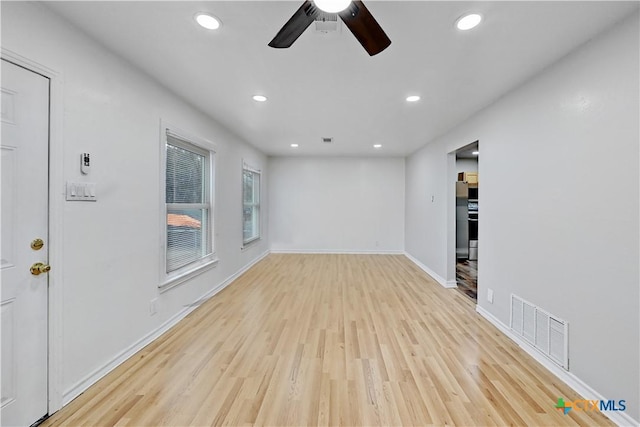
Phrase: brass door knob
[39,268]
[37,244]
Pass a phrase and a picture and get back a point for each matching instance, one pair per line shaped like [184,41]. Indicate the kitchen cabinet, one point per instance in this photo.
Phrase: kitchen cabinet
[470,178]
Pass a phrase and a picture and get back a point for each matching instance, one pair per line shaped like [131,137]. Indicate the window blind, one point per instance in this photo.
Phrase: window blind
[251,205]
[188,204]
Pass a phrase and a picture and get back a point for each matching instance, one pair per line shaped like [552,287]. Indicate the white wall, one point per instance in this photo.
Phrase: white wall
[559,217]
[466,165]
[336,204]
[110,248]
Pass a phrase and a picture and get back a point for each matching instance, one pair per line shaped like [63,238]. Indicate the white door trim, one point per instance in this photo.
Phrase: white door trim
[56,210]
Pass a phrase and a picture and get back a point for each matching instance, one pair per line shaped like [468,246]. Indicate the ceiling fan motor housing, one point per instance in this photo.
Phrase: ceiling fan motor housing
[327,22]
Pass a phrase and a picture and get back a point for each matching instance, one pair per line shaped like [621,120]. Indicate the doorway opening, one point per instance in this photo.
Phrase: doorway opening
[467,218]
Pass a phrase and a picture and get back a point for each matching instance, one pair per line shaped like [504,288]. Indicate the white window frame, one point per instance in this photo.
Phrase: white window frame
[248,242]
[200,146]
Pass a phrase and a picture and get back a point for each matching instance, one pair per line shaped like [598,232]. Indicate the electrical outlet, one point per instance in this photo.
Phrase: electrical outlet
[153,306]
[490,295]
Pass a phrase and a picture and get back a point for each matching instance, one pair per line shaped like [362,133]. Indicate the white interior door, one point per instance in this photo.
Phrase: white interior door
[24,215]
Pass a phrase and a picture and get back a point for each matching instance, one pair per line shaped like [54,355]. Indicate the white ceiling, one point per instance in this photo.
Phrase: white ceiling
[327,85]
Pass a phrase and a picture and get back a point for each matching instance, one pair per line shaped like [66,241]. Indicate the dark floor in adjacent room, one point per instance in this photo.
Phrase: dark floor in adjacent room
[467,278]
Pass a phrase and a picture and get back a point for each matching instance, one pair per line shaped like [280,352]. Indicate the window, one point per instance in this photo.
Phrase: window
[188,202]
[250,205]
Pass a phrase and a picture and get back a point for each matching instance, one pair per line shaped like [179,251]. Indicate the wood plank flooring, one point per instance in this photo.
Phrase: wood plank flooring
[354,340]
[467,278]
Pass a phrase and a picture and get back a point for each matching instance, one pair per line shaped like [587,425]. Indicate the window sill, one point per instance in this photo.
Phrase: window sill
[250,243]
[174,281]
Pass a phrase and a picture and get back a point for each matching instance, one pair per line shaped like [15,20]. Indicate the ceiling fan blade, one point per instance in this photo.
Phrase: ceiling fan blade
[366,29]
[295,26]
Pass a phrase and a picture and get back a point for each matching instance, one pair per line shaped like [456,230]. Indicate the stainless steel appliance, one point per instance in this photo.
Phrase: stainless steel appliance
[466,221]
[462,220]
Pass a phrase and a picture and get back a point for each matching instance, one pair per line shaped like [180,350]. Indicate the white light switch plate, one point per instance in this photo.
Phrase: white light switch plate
[81,191]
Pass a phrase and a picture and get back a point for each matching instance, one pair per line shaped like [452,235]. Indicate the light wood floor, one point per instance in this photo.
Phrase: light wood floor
[355,340]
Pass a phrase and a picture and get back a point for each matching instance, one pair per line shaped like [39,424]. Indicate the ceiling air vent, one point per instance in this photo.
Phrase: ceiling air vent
[327,140]
[326,22]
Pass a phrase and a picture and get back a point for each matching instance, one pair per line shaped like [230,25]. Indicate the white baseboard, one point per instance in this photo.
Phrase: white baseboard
[579,386]
[93,377]
[335,251]
[445,283]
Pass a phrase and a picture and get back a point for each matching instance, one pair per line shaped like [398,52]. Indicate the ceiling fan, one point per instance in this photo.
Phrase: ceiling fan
[353,13]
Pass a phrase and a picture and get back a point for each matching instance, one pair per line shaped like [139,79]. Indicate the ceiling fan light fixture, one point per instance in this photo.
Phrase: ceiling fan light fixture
[259,98]
[469,21]
[413,98]
[332,6]
[208,21]
[356,18]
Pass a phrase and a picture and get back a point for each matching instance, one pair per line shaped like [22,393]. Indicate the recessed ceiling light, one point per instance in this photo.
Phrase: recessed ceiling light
[468,22]
[259,98]
[413,98]
[208,21]
[332,6]
[377,145]
[294,145]
[476,153]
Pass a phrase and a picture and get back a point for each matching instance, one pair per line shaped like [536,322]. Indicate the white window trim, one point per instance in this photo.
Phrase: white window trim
[247,243]
[182,275]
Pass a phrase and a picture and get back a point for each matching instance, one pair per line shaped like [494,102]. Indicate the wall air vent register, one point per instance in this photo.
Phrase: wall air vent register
[545,332]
